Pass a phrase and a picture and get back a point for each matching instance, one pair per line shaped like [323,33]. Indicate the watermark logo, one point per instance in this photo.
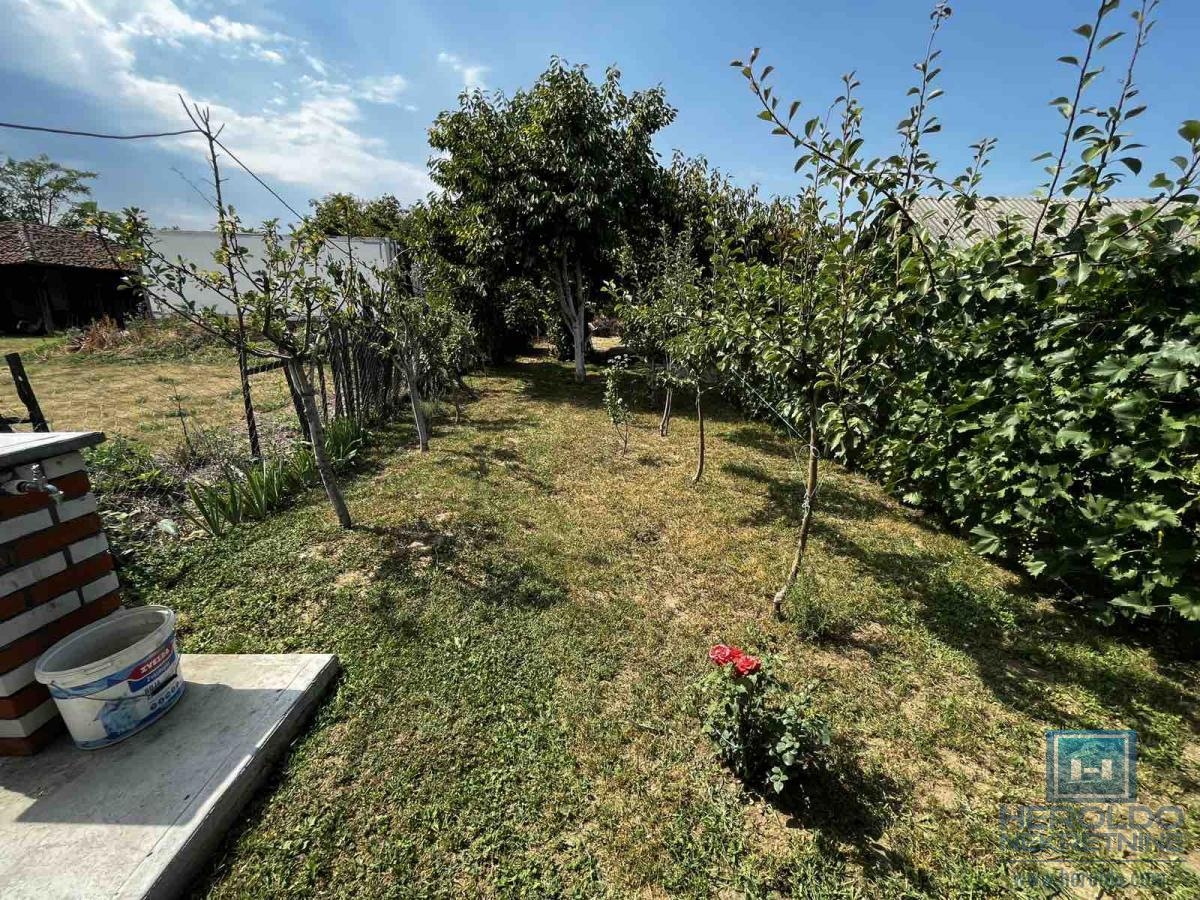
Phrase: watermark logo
[1091,766]
[1091,826]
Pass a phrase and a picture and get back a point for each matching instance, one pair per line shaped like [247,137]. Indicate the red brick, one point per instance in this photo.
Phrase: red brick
[22,650]
[75,576]
[85,615]
[73,486]
[12,604]
[44,542]
[33,645]
[25,700]
[27,746]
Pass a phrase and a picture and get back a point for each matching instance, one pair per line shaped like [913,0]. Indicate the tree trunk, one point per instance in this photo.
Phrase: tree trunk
[700,421]
[665,425]
[336,500]
[324,393]
[574,311]
[418,408]
[247,401]
[810,496]
[302,415]
[580,333]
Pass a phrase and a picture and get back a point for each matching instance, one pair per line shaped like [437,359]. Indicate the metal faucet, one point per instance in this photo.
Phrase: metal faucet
[38,484]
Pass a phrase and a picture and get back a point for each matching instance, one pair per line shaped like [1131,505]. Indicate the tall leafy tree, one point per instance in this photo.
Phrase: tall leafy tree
[345,215]
[41,190]
[505,307]
[554,179]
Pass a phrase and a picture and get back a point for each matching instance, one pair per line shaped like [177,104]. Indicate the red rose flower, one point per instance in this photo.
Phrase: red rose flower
[747,665]
[723,654]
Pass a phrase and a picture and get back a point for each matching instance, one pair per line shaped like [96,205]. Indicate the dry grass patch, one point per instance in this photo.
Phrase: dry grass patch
[140,398]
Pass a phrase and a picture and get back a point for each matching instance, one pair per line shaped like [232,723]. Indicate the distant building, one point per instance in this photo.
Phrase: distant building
[53,278]
[941,217]
[199,246]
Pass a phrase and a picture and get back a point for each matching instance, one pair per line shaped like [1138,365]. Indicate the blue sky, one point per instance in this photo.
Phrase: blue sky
[320,96]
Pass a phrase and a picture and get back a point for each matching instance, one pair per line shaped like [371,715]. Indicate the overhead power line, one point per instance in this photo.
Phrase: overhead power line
[163,134]
[96,134]
[157,134]
[270,190]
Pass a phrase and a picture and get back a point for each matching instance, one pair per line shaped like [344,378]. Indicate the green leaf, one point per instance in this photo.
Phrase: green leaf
[1034,567]
[1072,437]
[1190,130]
[1187,603]
[988,544]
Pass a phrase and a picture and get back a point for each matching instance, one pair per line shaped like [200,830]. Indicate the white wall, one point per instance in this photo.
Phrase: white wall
[198,247]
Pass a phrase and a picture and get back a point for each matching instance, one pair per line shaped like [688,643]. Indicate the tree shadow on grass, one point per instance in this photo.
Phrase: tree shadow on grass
[849,806]
[759,438]
[785,499]
[470,554]
[545,380]
[1033,656]
[505,424]
[481,459]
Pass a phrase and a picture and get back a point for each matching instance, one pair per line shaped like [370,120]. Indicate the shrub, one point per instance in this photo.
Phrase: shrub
[167,338]
[344,438]
[122,466]
[254,492]
[1056,421]
[1029,375]
[766,734]
[135,494]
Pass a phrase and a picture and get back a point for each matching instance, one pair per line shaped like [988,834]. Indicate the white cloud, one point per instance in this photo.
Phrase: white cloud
[311,137]
[268,55]
[472,75]
[162,20]
[374,89]
[316,65]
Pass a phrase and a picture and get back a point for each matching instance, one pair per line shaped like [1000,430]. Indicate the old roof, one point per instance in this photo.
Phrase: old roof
[28,242]
[942,219]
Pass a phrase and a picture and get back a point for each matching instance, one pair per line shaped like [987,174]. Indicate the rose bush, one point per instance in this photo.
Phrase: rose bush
[764,732]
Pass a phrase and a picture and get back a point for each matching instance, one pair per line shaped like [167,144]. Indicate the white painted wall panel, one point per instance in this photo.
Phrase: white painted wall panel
[198,247]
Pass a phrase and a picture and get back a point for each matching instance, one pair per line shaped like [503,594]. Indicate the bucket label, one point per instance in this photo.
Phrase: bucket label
[121,718]
[149,668]
[135,677]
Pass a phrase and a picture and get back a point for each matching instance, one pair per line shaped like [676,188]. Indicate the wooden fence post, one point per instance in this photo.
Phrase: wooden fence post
[25,392]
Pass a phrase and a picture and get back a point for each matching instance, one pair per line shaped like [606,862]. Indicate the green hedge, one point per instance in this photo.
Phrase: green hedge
[1055,415]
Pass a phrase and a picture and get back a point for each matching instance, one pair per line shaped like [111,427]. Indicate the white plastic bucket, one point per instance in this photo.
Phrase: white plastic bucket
[114,677]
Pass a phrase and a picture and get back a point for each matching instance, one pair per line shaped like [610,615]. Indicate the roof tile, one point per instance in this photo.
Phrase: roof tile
[29,242]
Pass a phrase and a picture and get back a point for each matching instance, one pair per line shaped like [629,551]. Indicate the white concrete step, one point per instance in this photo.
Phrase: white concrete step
[140,818]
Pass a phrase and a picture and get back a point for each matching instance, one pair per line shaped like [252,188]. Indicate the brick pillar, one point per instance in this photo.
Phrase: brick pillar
[56,575]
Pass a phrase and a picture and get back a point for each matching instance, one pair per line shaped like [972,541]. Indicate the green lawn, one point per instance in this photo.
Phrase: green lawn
[140,397]
[522,614]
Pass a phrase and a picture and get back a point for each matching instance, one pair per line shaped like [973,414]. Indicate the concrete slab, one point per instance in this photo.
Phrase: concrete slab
[138,819]
[18,448]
